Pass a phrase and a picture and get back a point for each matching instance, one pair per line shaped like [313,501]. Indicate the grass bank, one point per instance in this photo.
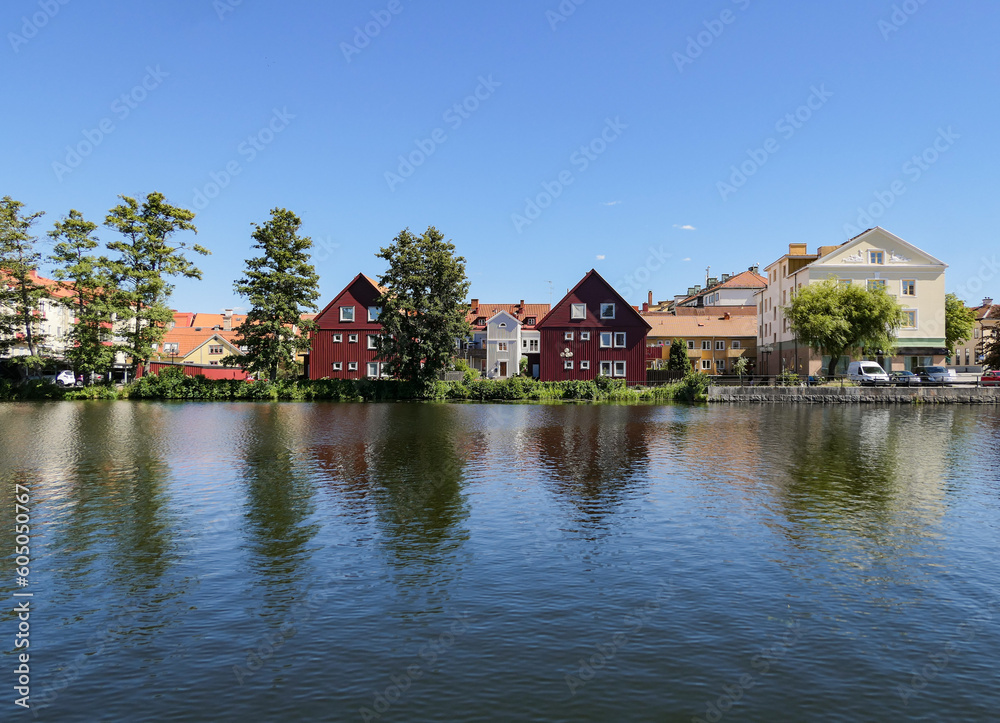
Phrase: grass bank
[173,384]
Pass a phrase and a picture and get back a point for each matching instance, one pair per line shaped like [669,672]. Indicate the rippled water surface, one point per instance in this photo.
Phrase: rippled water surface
[431,562]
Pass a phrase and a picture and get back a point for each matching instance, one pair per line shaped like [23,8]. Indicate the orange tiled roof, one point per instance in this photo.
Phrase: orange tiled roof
[686,327]
[487,311]
[188,339]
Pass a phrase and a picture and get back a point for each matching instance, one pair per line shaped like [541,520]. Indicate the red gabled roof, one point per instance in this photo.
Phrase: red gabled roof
[593,273]
[381,290]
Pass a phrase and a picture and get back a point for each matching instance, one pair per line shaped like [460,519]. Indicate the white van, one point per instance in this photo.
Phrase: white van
[867,372]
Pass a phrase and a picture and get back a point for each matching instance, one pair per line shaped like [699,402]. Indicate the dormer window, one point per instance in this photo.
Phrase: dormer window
[607,311]
[480,321]
[876,257]
[347,313]
[578,311]
[530,321]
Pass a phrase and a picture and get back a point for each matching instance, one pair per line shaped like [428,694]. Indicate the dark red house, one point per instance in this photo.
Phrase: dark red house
[593,332]
[343,344]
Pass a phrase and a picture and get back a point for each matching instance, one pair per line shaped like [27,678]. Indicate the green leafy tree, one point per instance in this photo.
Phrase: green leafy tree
[740,366]
[836,319]
[91,297]
[992,350]
[423,309]
[147,256]
[678,359]
[958,321]
[20,292]
[281,284]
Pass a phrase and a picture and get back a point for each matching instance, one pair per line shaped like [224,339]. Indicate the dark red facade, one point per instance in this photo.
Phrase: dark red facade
[193,370]
[340,343]
[617,335]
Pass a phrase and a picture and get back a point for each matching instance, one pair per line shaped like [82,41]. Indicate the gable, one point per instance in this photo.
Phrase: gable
[592,291]
[896,252]
[503,317]
[361,292]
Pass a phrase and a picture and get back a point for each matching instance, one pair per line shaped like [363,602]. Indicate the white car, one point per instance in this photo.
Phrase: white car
[867,372]
[66,378]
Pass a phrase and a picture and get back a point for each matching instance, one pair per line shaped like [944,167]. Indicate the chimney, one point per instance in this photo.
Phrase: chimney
[227,319]
[987,301]
[726,316]
[520,307]
[797,249]
[474,303]
[645,306]
[650,301]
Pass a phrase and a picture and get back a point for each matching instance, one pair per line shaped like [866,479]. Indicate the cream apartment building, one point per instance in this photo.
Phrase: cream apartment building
[875,257]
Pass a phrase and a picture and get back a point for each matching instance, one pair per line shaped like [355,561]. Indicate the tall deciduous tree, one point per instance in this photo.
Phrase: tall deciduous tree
[837,319]
[991,348]
[678,359]
[423,308]
[91,296]
[147,256]
[281,284]
[958,321]
[20,293]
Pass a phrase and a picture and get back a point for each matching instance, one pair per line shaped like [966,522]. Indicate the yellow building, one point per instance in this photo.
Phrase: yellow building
[713,343]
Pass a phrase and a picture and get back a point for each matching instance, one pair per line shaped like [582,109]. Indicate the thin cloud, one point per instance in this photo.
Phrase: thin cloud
[687,259]
[600,257]
[610,203]
[685,227]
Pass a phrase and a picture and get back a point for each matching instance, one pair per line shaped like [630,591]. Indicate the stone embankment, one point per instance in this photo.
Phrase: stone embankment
[857,395]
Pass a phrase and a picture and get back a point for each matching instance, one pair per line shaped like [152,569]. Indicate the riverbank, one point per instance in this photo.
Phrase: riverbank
[175,385]
[856,395]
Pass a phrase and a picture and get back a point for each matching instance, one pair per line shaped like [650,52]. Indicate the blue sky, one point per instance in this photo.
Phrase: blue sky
[647,140]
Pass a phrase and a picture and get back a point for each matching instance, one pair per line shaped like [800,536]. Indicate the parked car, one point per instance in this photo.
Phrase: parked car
[935,375]
[904,379]
[66,378]
[867,372]
[990,379]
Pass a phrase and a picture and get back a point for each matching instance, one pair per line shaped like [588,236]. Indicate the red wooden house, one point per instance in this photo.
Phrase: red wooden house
[343,343]
[593,332]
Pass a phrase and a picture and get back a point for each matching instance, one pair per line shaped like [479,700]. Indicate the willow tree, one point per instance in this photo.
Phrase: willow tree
[20,291]
[837,319]
[423,307]
[148,255]
[281,284]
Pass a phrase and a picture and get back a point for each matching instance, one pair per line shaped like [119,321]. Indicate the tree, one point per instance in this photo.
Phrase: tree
[837,319]
[678,359]
[20,292]
[992,351]
[958,321]
[280,284]
[147,257]
[740,366]
[88,280]
[423,308]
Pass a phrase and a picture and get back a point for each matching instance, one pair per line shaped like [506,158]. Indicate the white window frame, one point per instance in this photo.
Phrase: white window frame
[533,345]
[914,312]
[373,341]
[567,363]
[352,338]
[346,314]
[720,345]
[690,345]
[337,338]
[619,368]
[607,340]
[584,336]
[501,346]
[578,311]
[736,344]
[706,364]
[368,370]
[606,369]
[352,366]
[567,336]
[902,287]
[373,312]
[621,339]
[606,308]
[720,365]
[584,364]
[338,366]
[706,345]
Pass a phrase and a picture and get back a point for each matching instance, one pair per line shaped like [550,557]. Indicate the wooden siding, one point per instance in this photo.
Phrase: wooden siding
[324,351]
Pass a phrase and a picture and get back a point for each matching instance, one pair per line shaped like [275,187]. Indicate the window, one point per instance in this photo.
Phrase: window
[706,345]
[155,346]
[530,321]
[876,257]
[620,339]
[502,324]
[373,312]
[607,311]
[606,339]
[337,338]
[352,366]
[215,348]
[720,365]
[480,321]
[605,369]
[843,282]
[584,364]
[337,366]
[501,346]
[352,338]
[532,345]
[706,363]
[876,284]
[568,364]
[373,369]
[578,311]
[690,345]
[909,319]
[568,336]
[171,348]
[736,343]
[619,368]
[584,336]
[720,345]
[373,341]
[909,287]
[347,313]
